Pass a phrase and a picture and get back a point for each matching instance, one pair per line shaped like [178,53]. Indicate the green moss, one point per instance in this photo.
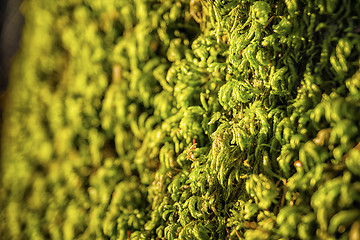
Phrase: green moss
[183,120]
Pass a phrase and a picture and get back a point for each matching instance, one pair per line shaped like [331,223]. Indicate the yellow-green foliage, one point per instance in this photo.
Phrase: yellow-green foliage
[184,119]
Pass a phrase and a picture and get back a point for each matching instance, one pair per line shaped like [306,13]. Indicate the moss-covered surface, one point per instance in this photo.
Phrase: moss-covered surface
[184,119]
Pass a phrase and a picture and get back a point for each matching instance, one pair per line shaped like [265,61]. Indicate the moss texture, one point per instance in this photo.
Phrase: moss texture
[184,119]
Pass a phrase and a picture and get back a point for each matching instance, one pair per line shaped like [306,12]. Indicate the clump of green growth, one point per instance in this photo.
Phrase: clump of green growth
[177,119]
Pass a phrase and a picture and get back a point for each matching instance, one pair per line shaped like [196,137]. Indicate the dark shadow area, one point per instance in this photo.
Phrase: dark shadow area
[11,23]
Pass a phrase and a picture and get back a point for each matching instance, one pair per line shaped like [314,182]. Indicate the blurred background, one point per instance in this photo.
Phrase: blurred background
[11,22]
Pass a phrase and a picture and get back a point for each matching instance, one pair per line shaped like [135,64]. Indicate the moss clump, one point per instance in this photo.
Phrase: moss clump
[176,119]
